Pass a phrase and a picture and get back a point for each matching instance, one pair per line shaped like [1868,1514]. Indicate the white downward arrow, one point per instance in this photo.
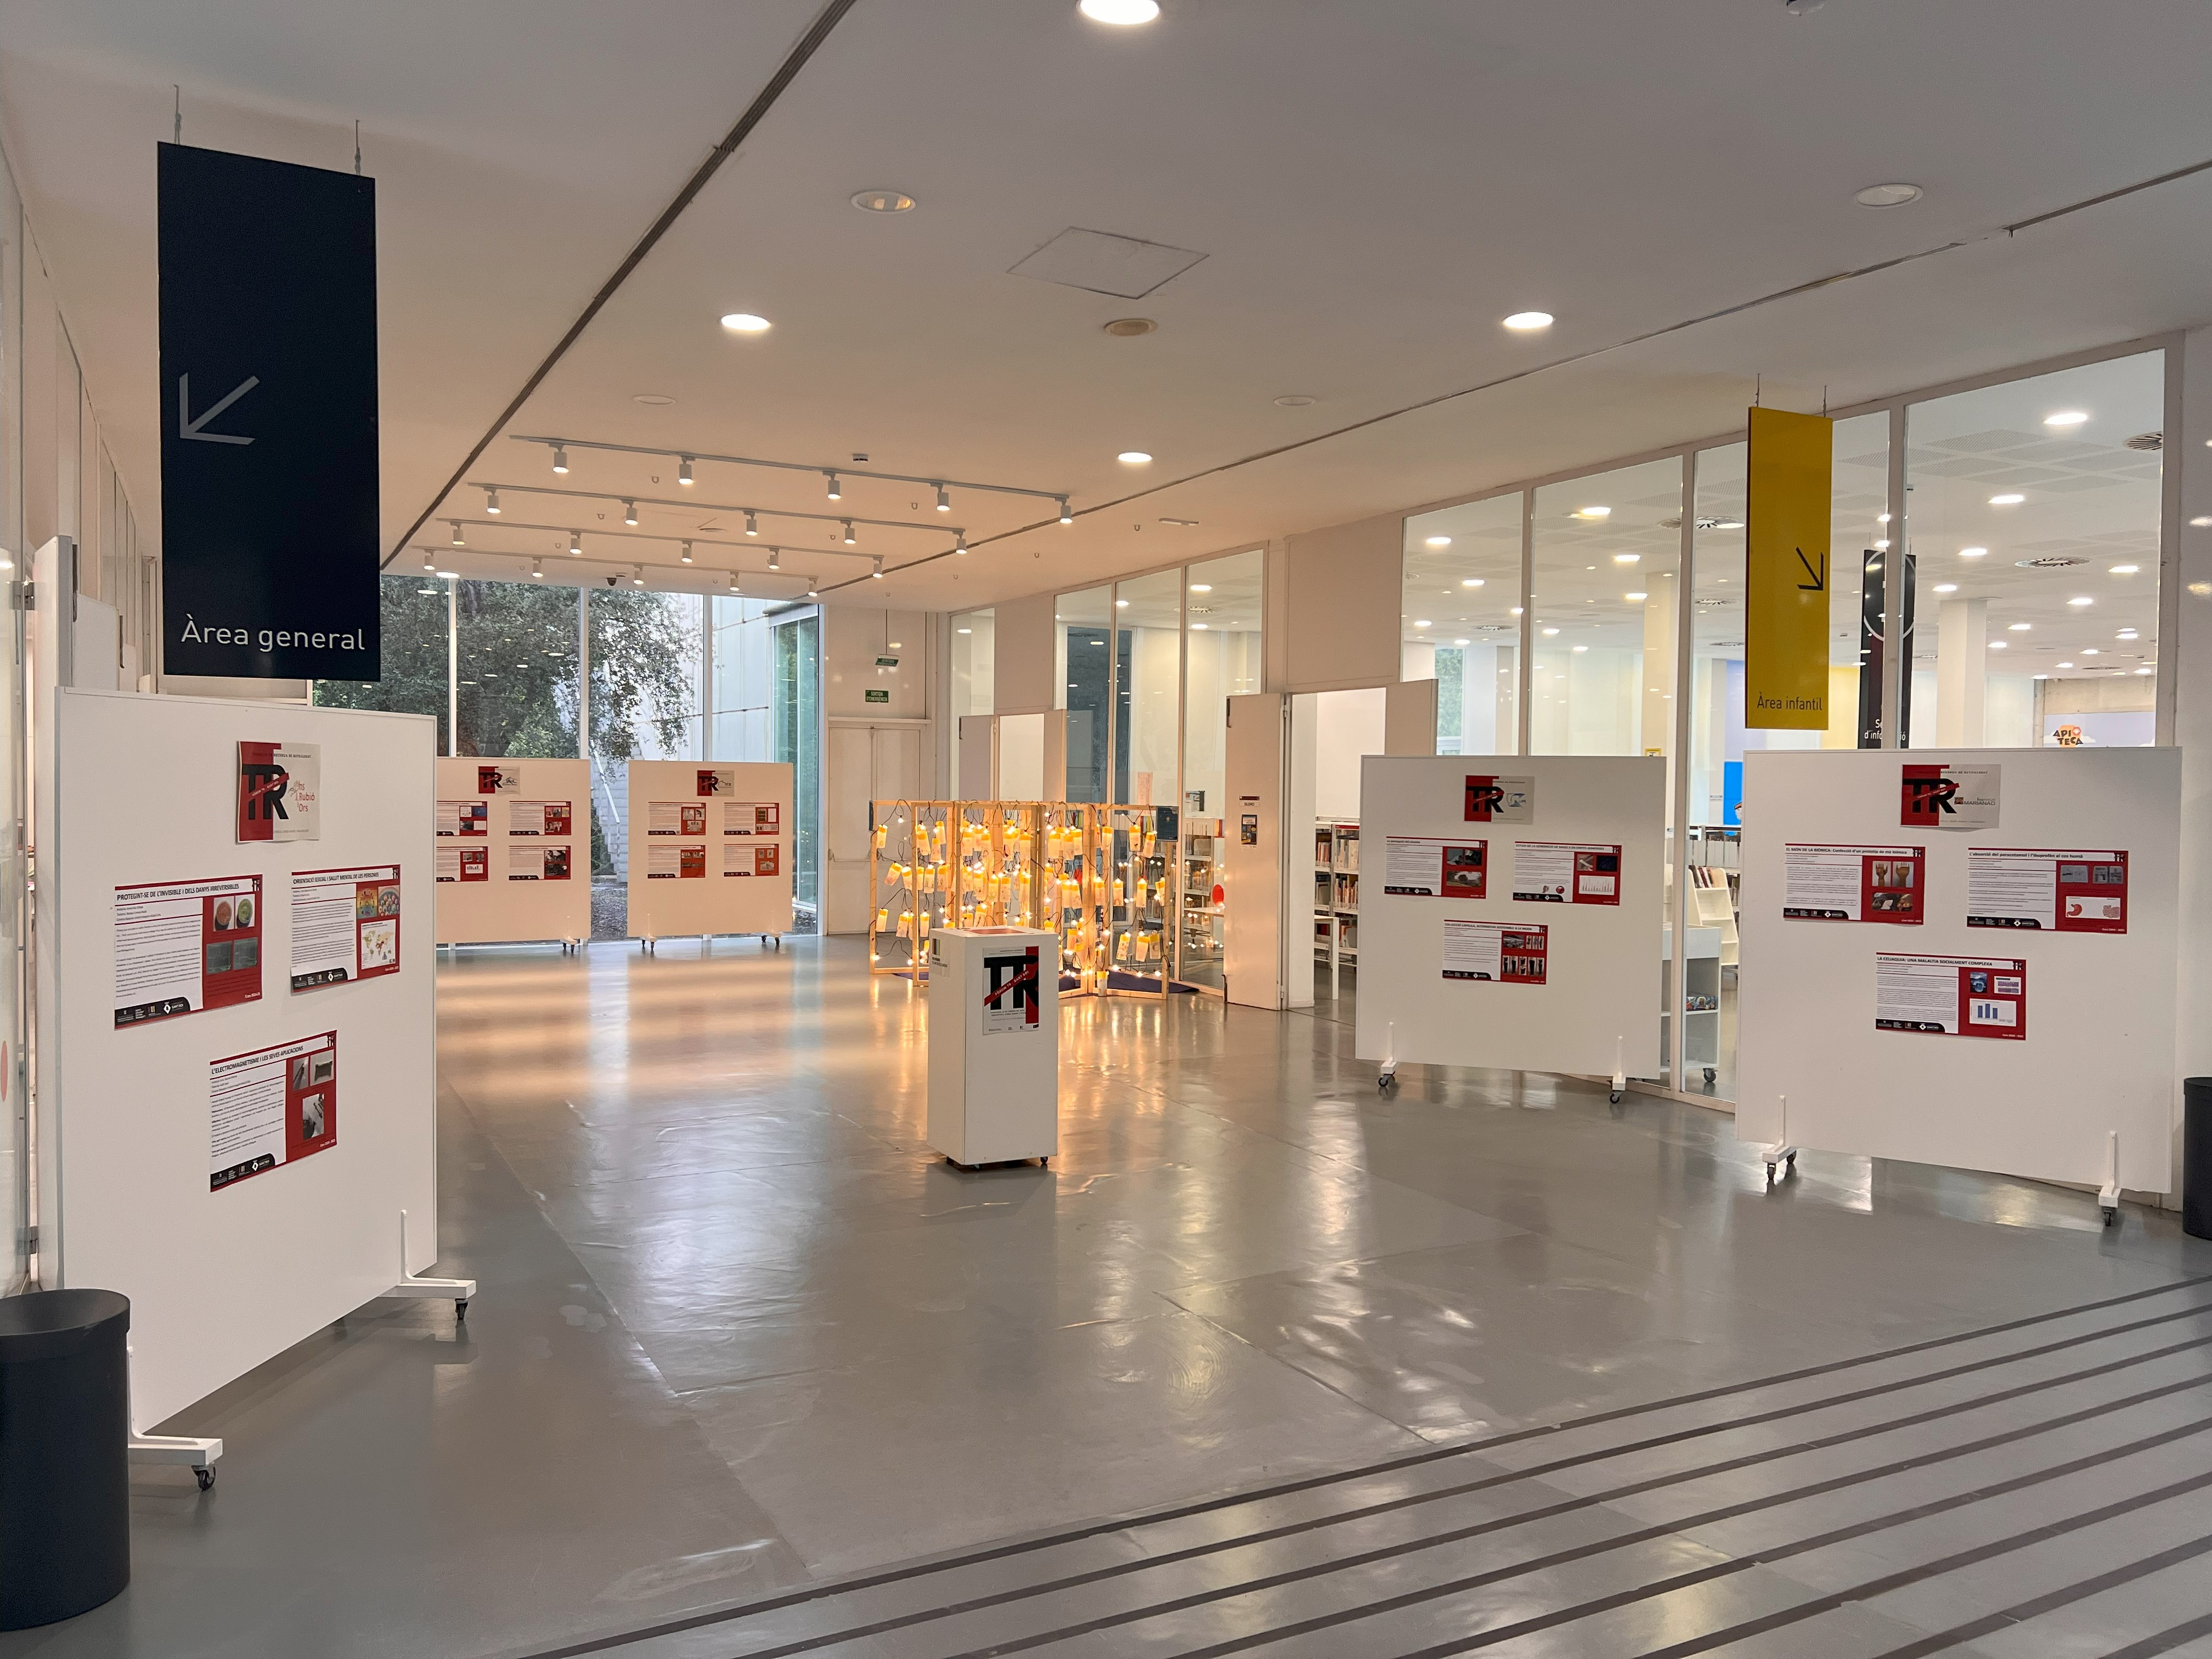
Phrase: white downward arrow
[189,428]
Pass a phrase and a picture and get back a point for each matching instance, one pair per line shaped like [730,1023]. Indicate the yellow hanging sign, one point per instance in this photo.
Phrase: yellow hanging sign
[1785,635]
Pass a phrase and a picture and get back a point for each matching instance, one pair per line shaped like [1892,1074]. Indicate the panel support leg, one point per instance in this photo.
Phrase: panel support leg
[1619,1072]
[455,1291]
[1780,1153]
[2108,1195]
[1389,1072]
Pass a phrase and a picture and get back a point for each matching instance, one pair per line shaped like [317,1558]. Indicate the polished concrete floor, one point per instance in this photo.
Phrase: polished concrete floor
[741,1338]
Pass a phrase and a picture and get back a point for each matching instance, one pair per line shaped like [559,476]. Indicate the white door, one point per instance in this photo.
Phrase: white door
[867,764]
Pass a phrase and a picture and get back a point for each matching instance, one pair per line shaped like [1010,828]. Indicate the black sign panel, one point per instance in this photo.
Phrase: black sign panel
[268,445]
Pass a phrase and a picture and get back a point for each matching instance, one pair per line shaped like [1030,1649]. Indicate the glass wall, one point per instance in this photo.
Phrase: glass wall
[2034,528]
[647,649]
[972,659]
[417,655]
[1223,659]
[1605,561]
[1462,622]
[1148,720]
[795,714]
[1083,629]
[15,551]
[515,658]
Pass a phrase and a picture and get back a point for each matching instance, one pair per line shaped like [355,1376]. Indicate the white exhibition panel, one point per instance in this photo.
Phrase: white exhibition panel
[2099,1050]
[679,905]
[221,1280]
[504,905]
[1602,978]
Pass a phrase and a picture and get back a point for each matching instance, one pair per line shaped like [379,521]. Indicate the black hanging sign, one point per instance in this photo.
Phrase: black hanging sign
[269,442]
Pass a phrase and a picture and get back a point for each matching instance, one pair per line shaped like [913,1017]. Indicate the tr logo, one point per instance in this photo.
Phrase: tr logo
[1932,795]
[264,784]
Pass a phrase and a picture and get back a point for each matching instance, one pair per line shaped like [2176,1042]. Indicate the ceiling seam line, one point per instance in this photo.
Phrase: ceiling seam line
[1833,280]
[787,71]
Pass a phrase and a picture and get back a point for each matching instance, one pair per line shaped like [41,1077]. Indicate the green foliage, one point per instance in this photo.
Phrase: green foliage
[414,650]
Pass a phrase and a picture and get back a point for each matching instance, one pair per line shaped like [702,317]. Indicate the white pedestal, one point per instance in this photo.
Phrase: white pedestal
[993,1044]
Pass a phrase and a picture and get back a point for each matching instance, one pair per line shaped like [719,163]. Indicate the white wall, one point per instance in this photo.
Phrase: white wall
[852,639]
[1343,607]
[1347,725]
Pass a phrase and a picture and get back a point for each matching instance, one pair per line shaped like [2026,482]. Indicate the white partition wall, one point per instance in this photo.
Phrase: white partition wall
[514,850]
[710,848]
[1454,970]
[2067,1037]
[241,1198]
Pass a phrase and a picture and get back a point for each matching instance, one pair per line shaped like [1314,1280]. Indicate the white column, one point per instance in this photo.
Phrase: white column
[1962,654]
[2185,649]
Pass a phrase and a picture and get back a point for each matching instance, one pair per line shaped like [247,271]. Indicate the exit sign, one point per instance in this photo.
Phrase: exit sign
[876,696]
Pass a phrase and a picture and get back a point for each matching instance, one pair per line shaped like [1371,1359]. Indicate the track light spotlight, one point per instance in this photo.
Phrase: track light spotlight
[459,540]
[813,592]
[491,503]
[560,459]
[836,490]
[752,523]
[876,567]
[683,470]
[734,588]
[630,513]
[537,568]
[849,537]
[575,541]
[775,558]
[944,500]
[637,575]
[960,543]
[687,552]
[1066,517]
[429,564]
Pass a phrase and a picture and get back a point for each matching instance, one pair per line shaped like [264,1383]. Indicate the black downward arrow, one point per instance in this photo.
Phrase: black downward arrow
[1820,582]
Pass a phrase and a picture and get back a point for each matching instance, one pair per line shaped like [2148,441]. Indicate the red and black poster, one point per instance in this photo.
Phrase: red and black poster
[1854,883]
[1011,999]
[1500,801]
[181,947]
[280,791]
[271,1106]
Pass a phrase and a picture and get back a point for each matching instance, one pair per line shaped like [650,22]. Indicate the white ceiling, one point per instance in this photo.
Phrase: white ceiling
[1372,187]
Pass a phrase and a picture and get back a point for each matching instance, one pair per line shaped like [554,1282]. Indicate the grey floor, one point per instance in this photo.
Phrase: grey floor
[1537,1373]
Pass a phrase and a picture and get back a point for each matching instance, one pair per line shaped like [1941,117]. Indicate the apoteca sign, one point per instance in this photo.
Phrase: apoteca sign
[269,419]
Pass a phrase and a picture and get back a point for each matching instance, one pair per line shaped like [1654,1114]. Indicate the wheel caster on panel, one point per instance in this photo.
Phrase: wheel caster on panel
[205,1476]
[1769,1175]
[1711,1075]
[2111,1216]
[1615,1096]
[460,1313]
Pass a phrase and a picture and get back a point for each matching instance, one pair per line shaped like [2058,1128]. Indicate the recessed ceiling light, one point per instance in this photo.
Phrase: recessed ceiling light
[1551,630]
[883,201]
[743,322]
[1626,558]
[1887,196]
[1294,400]
[2080,599]
[2129,634]
[1636,599]
[2146,671]
[2065,417]
[2065,665]
[963,630]
[1471,581]
[653,399]
[1515,611]
[2125,569]
[2091,652]
[1881,518]
[1593,512]
[1201,587]
[1120,12]
[2204,522]
[1437,541]
[2020,628]
[1523,321]
[1424,623]
[1133,458]
[2010,498]
[1198,628]
[1947,587]
[1881,545]
[1996,645]
[1128,328]
[1582,647]
[1973,552]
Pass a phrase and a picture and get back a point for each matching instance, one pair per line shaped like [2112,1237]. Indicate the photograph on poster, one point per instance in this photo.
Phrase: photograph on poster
[1416,867]
[182,947]
[1500,801]
[2050,890]
[1947,795]
[280,791]
[1505,953]
[1951,996]
[271,1106]
[1822,882]
[463,818]
[345,925]
[1562,873]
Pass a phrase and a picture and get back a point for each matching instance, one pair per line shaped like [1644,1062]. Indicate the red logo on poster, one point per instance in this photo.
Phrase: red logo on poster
[261,786]
[1484,797]
[1927,796]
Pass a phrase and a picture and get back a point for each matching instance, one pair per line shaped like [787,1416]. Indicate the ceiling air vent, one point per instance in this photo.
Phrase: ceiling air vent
[2153,441]
[2050,561]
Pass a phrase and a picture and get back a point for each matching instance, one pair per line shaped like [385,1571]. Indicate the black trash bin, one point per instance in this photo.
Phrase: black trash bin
[64,1454]
[2197,1157]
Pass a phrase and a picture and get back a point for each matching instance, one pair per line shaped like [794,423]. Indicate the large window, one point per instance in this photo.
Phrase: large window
[1462,622]
[1086,686]
[1147,728]
[645,650]
[1223,659]
[795,715]
[417,654]
[1607,558]
[2034,527]
[515,654]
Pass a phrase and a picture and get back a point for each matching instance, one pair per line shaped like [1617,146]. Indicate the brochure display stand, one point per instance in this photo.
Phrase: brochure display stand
[710,850]
[993,1044]
[1511,912]
[513,851]
[236,1081]
[1963,957]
